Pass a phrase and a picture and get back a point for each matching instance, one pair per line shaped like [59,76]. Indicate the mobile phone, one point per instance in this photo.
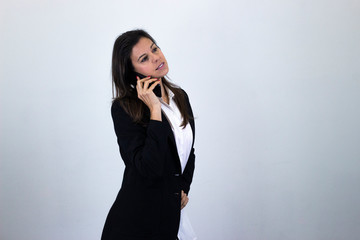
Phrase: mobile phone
[157,89]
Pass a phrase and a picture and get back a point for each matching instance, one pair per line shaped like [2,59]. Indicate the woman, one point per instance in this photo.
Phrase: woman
[155,137]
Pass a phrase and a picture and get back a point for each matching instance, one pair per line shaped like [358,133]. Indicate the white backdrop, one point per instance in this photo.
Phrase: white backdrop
[274,86]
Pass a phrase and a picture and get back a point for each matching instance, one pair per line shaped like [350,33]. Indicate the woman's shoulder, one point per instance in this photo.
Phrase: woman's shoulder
[123,109]
[116,106]
[185,94]
[122,103]
[118,113]
[120,107]
[177,89]
[186,97]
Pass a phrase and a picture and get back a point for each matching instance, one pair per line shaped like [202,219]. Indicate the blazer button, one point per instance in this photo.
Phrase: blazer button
[176,193]
[176,174]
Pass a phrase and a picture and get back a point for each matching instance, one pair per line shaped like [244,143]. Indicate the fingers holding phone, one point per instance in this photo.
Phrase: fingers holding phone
[148,82]
[145,87]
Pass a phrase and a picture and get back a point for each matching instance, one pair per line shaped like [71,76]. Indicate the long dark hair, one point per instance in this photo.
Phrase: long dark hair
[123,70]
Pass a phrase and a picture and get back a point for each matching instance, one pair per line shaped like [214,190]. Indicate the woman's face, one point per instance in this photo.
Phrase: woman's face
[148,59]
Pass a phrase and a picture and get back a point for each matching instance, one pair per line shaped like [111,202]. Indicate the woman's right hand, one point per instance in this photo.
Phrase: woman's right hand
[184,199]
[146,94]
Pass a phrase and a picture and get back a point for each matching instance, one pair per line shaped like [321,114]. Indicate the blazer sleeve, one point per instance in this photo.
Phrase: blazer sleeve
[142,148]
[188,173]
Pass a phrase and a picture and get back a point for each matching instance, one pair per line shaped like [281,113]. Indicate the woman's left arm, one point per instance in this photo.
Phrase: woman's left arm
[188,173]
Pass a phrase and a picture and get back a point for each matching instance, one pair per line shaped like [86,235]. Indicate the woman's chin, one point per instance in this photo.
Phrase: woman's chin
[163,73]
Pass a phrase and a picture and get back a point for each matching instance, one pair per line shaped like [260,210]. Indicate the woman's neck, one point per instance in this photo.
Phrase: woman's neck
[164,93]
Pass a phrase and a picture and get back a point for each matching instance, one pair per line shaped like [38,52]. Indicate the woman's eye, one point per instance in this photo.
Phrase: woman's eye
[155,49]
[144,59]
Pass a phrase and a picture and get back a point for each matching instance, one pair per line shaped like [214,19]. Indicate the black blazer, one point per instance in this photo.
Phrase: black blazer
[147,206]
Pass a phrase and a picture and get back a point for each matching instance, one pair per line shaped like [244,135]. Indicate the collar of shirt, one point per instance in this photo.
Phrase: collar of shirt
[171,97]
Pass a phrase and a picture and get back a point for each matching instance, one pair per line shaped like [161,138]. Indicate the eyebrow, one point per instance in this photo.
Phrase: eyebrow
[145,53]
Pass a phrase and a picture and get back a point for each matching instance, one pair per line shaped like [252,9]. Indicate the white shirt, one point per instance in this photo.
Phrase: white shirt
[184,140]
[183,136]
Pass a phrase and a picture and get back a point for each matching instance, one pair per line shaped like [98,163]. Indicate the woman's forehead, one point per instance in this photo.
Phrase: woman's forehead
[142,46]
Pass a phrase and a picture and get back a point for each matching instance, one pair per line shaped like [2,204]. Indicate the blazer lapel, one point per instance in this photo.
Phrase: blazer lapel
[169,129]
[172,140]
[171,133]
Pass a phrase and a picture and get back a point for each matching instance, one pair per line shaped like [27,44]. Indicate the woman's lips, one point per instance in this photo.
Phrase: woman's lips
[160,66]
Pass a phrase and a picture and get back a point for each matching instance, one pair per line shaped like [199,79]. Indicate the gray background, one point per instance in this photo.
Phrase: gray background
[274,86]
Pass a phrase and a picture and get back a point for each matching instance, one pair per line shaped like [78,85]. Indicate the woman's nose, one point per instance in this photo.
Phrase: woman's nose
[155,57]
